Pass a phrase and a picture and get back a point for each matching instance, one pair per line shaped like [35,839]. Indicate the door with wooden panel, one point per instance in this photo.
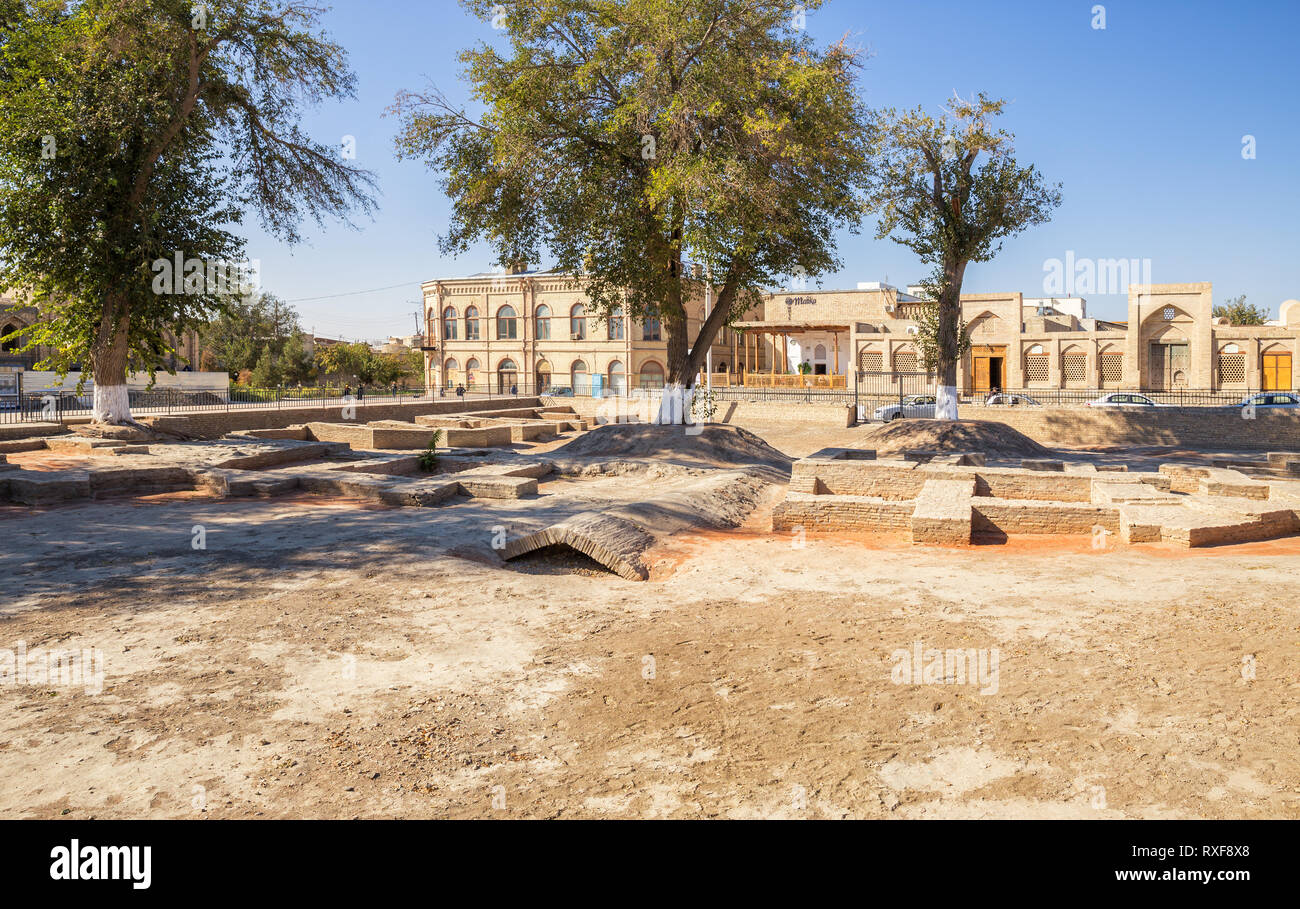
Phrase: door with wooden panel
[1276,372]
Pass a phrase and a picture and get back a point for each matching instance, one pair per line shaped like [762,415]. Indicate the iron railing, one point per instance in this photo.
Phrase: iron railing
[867,392]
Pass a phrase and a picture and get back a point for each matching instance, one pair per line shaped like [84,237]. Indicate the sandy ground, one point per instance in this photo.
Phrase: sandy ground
[323,658]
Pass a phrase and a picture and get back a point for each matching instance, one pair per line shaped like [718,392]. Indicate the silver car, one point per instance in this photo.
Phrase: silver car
[1123,399]
[921,406]
[1271,399]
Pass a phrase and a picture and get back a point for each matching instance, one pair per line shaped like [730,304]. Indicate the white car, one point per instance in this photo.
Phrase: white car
[1123,399]
[1273,399]
[1007,399]
[912,406]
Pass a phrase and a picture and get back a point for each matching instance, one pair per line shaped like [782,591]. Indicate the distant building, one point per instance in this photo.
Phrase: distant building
[534,328]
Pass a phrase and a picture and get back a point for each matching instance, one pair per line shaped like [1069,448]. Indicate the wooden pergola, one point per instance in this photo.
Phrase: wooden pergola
[753,339]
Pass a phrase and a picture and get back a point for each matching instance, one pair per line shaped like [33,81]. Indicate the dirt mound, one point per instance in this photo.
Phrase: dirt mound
[995,440]
[707,446]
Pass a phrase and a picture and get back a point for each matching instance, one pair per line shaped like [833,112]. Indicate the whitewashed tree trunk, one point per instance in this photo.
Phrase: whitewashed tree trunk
[675,404]
[945,403]
[112,404]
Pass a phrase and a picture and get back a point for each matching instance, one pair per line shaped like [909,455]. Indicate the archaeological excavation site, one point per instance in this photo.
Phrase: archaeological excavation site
[407,610]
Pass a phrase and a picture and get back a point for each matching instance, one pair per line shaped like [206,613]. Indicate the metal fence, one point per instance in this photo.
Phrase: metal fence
[867,392]
[60,405]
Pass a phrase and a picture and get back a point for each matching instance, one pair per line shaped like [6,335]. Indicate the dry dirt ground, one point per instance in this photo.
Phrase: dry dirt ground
[325,658]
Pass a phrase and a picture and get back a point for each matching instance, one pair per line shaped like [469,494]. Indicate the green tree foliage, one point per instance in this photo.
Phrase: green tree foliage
[1238,312]
[358,362]
[131,132]
[626,137]
[927,336]
[935,201]
[257,328]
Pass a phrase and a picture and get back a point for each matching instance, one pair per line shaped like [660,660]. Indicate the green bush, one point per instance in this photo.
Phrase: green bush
[429,457]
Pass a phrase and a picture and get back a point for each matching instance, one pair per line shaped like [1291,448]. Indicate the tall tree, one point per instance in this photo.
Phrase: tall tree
[628,137]
[935,201]
[237,337]
[134,134]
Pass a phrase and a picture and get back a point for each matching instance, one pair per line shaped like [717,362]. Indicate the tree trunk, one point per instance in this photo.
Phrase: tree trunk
[675,404]
[108,356]
[945,407]
[687,358]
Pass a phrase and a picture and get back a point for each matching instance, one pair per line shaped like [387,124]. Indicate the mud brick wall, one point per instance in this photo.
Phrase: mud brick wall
[1008,516]
[738,413]
[857,478]
[895,480]
[820,513]
[214,424]
[1192,427]
[1045,486]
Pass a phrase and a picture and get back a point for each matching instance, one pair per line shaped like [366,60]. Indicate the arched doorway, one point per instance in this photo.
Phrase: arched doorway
[507,376]
[579,380]
[451,373]
[471,373]
[543,377]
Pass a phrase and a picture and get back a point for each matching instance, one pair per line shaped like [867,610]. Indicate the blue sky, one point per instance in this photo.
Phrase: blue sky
[1142,122]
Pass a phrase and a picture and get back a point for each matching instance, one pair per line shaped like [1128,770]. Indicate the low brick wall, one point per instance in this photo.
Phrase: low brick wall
[1028,516]
[214,424]
[738,413]
[1190,427]
[830,513]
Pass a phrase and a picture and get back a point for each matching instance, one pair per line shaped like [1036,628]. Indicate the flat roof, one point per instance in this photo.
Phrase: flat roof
[798,325]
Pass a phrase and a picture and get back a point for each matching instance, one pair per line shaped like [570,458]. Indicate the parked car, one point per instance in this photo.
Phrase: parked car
[1123,399]
[562,392]
[1005,399]
[1272,399]
[912,406]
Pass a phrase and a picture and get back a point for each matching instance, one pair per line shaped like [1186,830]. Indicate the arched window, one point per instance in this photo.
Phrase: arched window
[650,330]
[449,324]
[579,381]
[451,373]
[578,322]
[507,377]
[617,378]
[507,324]
[543,377]
[12,344]
[616,325]
[1074,367]
[471,323]
[1037,366]
[471,372]
[652,375]
[543,319]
